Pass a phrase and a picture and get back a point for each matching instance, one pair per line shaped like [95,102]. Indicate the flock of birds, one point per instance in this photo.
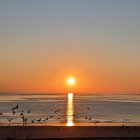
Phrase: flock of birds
[23,115]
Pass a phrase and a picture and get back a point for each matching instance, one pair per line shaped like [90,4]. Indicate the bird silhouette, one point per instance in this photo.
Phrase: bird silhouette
[51,116]
[14,112]
[39,120]
[57,111]
[10,119]
[87,108]
[33,121]
[58,118]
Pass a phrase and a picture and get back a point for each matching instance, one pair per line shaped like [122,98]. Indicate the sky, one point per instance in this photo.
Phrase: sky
[43,42]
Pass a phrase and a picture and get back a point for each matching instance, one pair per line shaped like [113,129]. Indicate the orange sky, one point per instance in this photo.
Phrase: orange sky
[42,43]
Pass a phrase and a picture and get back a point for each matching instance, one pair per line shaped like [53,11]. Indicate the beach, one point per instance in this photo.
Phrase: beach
[47,132]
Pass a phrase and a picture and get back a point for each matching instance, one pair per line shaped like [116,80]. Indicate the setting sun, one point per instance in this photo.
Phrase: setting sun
[71,81]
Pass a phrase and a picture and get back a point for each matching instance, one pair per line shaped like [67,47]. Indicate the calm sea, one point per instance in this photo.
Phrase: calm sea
[70,109]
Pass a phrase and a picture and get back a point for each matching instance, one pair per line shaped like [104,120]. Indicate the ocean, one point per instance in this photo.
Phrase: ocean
[70,109]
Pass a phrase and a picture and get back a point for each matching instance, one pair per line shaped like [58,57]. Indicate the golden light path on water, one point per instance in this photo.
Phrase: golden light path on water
[70,110]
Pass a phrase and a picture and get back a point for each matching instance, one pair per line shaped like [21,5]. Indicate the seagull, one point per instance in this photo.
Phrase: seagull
[58,118]
[21,114]
[57,111]
[12,108]
[10,119]
[90,118]
[87,108]
[38,120]
[45,119]
[28,111]
[16,107]
[33,121]
[14,112]
[96,122]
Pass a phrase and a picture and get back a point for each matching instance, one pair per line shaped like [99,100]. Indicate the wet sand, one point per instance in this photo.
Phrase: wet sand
[41,132]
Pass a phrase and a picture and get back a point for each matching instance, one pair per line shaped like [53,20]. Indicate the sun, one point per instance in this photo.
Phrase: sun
[71,81]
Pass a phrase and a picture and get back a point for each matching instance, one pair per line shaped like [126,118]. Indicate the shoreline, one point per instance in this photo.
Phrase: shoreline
[47,132]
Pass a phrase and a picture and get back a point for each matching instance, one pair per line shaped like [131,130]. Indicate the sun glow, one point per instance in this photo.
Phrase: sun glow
[71,81]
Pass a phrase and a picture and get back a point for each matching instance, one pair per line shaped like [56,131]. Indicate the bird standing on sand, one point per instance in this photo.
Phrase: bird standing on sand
[24,120]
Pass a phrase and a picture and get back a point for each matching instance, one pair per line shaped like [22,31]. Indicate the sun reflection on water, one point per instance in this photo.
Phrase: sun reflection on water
[70,110]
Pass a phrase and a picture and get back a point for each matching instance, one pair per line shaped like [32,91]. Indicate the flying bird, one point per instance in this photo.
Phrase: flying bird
[28,111]
[38,120]
[33,121]
[90,118]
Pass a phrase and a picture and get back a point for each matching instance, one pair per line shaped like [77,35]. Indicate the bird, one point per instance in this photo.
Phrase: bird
[33,121]
[14,112]
[87,108]
[28,111]
[90,118]
[38,120]
[45,119]
[16,107]
[58,118]
[1,113]
[21,114]
[96,122]
[57,111]
[86,117]
[10,119]
[24,120]
[12,108]
[51,116]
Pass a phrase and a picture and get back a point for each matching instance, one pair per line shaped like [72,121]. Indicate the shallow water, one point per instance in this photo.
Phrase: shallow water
[78,109]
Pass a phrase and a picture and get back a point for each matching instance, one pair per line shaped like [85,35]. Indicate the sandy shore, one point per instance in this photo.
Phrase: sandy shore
[36,132]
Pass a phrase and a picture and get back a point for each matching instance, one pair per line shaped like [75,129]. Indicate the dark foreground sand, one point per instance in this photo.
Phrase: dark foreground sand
[77,132]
